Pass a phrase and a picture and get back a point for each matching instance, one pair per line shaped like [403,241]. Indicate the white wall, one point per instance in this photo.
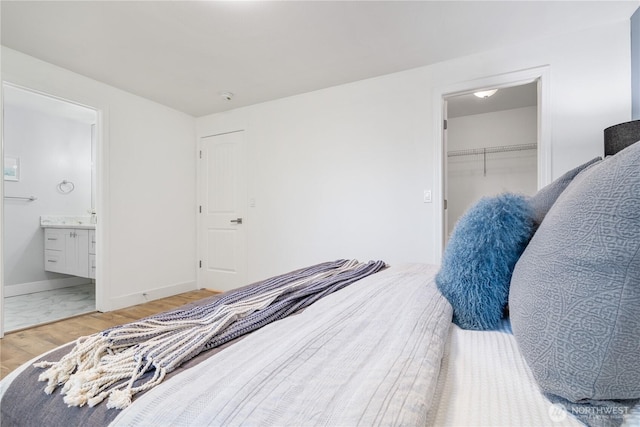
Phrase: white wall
[341,172]
[514,171]
[50,149]
[146,223]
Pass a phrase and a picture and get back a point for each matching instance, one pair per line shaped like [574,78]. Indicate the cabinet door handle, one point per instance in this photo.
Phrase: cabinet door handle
[52,238]
[51,260]
[237,221]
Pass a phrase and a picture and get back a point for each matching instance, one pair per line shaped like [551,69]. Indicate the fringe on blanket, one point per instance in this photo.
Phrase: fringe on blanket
[111,364]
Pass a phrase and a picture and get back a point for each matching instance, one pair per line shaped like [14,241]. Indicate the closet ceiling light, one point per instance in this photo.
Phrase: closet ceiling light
[485,93]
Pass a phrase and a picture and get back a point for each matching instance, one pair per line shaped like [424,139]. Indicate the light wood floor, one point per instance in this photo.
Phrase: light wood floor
[19,347]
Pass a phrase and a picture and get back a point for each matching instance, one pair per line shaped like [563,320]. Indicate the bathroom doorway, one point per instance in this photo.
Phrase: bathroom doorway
[49,221]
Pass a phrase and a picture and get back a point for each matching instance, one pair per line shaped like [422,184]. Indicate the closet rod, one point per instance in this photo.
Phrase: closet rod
[487,150]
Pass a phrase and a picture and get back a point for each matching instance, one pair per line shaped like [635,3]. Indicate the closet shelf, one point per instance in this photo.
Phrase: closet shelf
[488,150]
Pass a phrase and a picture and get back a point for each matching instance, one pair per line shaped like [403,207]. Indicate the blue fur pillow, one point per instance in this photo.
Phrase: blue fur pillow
[480,256]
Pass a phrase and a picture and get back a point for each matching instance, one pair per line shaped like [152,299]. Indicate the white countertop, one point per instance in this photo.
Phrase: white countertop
[67,221]
[76,226]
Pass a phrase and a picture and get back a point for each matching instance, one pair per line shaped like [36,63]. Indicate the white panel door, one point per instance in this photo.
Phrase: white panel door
[222,235]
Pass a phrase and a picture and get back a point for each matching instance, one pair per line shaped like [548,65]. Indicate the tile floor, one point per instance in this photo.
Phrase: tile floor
[23,311]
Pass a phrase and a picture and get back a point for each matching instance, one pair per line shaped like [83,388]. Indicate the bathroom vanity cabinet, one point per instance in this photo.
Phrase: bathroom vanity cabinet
[67,250]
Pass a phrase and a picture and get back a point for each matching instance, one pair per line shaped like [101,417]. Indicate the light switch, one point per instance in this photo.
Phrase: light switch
[427,196]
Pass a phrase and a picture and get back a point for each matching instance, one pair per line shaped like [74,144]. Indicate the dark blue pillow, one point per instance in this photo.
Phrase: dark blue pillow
[480,256]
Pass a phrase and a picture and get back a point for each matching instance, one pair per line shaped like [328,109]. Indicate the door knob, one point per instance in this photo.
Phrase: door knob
[237,221]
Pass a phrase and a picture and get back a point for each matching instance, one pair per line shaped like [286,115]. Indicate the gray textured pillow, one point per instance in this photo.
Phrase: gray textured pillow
[575,291]
[542,201]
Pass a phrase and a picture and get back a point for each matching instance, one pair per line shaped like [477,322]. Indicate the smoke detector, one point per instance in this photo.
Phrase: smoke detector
[226,95]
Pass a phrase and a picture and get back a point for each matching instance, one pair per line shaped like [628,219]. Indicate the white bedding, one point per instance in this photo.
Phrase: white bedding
[367,355]
[486,382]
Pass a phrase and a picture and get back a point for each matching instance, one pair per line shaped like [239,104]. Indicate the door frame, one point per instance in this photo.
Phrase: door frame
[101,196]
[541,75]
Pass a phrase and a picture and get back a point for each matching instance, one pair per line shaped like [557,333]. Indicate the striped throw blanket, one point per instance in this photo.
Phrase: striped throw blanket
[112,364]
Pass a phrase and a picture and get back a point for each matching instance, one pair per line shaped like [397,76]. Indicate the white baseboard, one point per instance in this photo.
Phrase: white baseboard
[150,295]
[43,285]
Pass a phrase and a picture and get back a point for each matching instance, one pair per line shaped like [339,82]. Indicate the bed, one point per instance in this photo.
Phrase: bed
[382,349]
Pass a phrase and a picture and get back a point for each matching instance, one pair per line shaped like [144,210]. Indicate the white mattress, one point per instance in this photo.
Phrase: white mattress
[485,382]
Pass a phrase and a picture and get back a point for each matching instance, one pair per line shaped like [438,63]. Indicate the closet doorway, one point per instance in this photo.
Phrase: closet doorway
[491,146]
[49,221]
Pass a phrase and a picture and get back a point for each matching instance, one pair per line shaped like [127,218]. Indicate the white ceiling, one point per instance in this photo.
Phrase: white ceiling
[520,96]
[184,53]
